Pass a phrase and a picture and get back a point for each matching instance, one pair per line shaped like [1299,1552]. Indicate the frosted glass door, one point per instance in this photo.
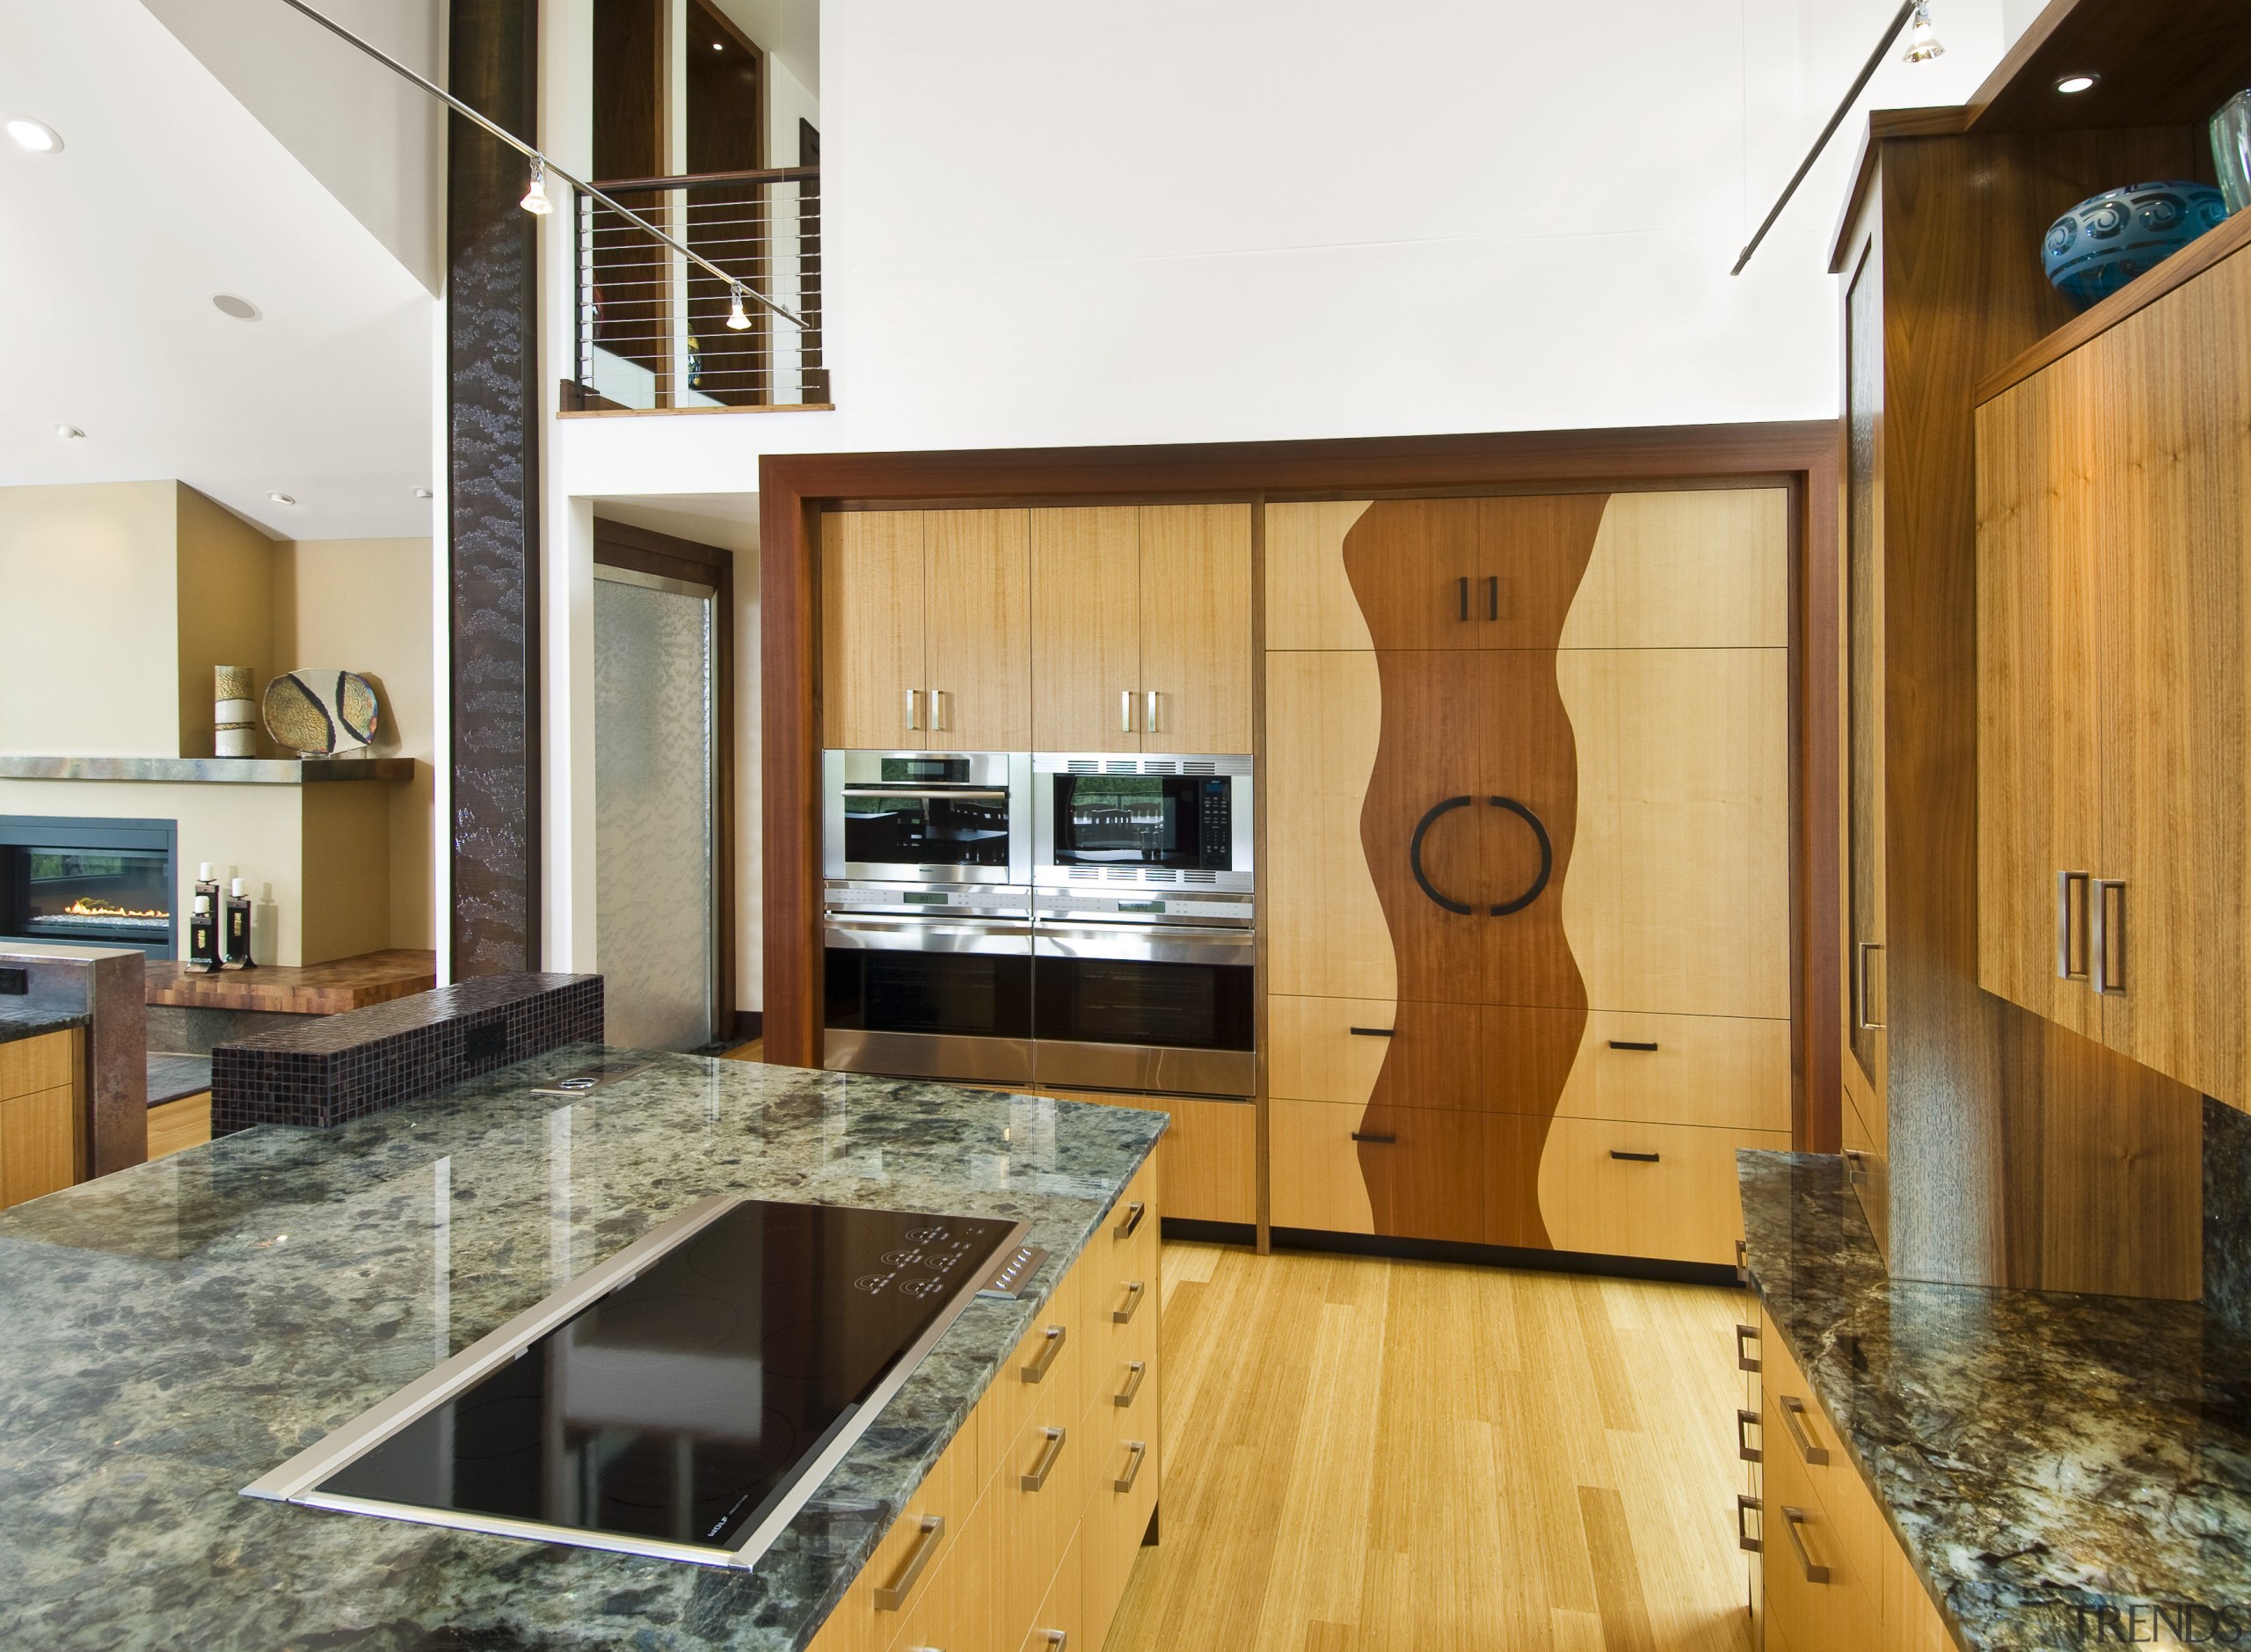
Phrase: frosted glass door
[655,891]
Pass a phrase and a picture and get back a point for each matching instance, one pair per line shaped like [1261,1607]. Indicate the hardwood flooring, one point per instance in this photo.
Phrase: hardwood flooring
[1372,1456]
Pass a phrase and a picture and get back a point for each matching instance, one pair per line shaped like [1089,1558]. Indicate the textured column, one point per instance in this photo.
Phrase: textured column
[492,446]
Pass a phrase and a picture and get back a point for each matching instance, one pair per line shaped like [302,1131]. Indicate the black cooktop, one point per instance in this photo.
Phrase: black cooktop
[685,1405]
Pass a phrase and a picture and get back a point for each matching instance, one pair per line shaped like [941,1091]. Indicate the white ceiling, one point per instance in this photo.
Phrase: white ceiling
[166,192]
[727,520]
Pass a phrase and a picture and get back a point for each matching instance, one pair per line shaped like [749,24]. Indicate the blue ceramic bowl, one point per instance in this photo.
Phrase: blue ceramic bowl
[2103,243]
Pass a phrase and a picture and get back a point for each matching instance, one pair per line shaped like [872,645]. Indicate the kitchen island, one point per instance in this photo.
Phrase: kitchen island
[173,1332]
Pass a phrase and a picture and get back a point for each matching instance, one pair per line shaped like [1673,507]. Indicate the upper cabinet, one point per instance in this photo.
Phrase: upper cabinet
[2113,502]
[1141,628]
[927,630]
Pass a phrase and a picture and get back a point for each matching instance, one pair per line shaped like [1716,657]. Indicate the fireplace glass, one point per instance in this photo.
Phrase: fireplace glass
[88,883]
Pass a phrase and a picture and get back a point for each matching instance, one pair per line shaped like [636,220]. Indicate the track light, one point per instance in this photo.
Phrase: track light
[535,201]
[736,317]
[1922,39]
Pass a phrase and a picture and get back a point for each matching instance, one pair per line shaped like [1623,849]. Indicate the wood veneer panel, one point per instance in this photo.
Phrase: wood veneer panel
[1195,647]
[312,989]
[979,629]
[874,629]
[1590,1199]
[41,1063]
[1309,600]
[1086,628]
[1721,1071]
[2161,62]
[1326,936]
[38,1144]
[1705,568]
[175,1126]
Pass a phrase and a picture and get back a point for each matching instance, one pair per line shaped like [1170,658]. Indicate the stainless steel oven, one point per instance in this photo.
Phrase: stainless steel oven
[926,817]
[928,983]
[1145,995]
[1142,822]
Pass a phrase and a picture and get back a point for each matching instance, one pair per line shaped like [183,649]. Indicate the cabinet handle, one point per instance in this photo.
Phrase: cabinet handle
[1632,1043]
[1746,1337]
[1792,1519]
[1745,1504]
[1125,711]
[1492,596]
[1136,1451]
[1794,1425]
[1373,1032]
[1134,1212]
[1860,979]
[1744,1422]
[1634,1158]
[1046,1466]
[1038,1367]
[1366,1135]
[2064,882]
[1462,590]
[937,710]
[1060,1639]
[2099,931]
[1855,1170]
[1136,1372]
[934,1532]
[913,710]
[1134,1290]
[1149,723]
[1743,1262]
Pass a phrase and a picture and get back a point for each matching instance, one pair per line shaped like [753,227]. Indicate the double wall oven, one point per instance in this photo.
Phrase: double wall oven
[1083,921]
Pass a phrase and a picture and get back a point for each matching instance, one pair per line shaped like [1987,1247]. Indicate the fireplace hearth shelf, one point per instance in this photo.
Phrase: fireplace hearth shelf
[223,771]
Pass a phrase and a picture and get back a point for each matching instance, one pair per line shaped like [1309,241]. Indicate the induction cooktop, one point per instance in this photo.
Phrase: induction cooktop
[684,1398]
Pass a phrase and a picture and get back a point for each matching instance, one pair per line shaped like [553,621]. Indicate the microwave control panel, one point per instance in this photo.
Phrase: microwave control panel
[1217,837]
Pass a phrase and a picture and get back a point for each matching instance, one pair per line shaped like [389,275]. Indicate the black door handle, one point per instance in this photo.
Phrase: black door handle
[1629,1044]
[1503,909]
[1637,1158]
[1492,596]
[1373,1032]
[1415,848]
[1362,1135]
[1461,592]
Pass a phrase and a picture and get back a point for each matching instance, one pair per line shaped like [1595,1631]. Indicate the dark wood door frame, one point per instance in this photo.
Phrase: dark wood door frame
[795,489]
[645,551]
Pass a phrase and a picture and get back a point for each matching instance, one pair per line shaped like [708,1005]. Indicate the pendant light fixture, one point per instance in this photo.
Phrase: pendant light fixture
[1922,39]
[736,317]
[535,201]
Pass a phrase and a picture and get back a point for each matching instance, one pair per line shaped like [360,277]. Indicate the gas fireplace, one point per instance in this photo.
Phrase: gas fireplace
[88,882]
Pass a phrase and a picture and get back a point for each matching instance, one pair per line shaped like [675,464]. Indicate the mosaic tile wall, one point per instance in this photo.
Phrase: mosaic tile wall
[337,1068]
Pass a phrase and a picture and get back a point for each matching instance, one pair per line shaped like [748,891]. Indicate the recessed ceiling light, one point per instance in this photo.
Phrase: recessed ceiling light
[35,135]
[240,309]
[280,498]
[718,45]
[2071,83]
[424,493]
[70,433]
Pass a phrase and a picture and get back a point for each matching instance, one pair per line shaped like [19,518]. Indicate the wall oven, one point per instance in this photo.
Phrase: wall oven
[1156,823]
[1145,995]
[929,984]
[926,817]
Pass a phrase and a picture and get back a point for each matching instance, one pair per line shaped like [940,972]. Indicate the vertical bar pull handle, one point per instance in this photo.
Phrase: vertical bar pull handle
[1746,1338]
[1125,711]
[2100,931]
[1743,1539]
[1149,723]
[1744,1422]
[1461,592]
[1866,1023]
[893,1595]
[2064,882]
[913,710]
[1492,596]
[937,710]
[1792,1519]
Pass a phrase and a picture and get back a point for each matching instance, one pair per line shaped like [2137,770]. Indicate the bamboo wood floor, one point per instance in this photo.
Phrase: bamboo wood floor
[1371,1456]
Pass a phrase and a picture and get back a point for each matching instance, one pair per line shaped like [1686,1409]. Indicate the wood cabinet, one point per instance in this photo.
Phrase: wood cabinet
[925,620]
[42,1093]
[1028,1524]
[1141,628]
[2112,690]
[1209,1155]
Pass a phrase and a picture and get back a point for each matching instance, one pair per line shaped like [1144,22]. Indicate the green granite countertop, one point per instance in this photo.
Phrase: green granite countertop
[2061,1468]
[19,1018]
[176,1330]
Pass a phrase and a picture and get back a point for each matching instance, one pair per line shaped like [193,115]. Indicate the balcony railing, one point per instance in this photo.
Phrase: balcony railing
[652,328]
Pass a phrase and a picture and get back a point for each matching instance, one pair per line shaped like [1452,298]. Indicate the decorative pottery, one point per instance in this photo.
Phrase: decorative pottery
[2232,151]
[320,713]
[2108,240]
[234,713]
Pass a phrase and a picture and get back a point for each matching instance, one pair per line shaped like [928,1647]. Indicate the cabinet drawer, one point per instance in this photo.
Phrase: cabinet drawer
[1058,1623]
[1823,1577]
[1056,1389]
[1664,1191]
[1793,1421]
[38,1144]
[1207,1158]
[1719,1072]
[1110,1533]
[930,1549]
[1036,1521]
[1420,1175]
[47,1062]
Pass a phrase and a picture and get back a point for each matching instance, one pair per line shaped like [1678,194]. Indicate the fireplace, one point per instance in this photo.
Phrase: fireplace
[89,882]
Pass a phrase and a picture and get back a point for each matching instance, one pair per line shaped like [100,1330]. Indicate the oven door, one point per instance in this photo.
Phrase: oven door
[1144,1007]
[925,817]
[929,998]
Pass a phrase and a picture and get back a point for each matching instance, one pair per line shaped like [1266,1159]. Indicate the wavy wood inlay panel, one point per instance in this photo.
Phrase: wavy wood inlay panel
[1470,708]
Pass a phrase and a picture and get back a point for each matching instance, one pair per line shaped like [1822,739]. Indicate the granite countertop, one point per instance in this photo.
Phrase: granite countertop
[20,1018]
[2042,1455]
[176,1330]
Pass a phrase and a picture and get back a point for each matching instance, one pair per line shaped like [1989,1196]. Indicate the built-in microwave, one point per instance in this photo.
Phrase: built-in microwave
[1142,822]
[926,817]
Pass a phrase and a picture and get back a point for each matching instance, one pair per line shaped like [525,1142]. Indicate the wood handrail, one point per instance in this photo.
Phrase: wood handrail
[768,175]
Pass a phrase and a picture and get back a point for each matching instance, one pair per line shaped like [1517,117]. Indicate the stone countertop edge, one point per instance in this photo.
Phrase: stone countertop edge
[2043,1458]
[31,1024]
[179,1329]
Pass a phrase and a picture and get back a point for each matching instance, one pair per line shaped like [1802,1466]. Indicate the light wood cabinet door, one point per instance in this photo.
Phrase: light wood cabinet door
[980,673]
[1326,934]
[1639,1190]
[1196,628]
[1086,629]
[37,1144]
[874,604]
[1411,1172]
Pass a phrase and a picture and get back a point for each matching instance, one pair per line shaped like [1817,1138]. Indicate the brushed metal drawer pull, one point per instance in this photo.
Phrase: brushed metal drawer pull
[1134,1290]
[1136,1372]
[1125,711]
[934,1532]
[1059,1638]
[1136,1452]
[1373,1032]
[1149,723]
[1633,1043]
[1746,1337]
[1046,1466]
[1794,1421]
[1053,1345]
[1635,1158]
[1367,1135]
[913,710]
[1792,1519]
[1855,1168]
[2064,882]
[1134,1212]
[1746,1505]
[1744,1422]
[1743,1262]
[937,710]
[2100,929]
